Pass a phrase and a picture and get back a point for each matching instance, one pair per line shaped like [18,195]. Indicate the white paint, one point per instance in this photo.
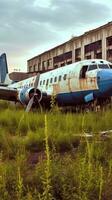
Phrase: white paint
[71,84]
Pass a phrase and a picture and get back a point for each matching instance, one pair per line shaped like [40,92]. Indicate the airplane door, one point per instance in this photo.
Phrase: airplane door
[83,83]
[91,79]
[87,79]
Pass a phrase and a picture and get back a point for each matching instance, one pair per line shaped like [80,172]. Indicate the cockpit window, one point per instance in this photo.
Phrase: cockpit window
[110,65]
[103,66]
[92,67]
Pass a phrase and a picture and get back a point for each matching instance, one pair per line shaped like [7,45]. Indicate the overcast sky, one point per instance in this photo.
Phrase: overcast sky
[30,27]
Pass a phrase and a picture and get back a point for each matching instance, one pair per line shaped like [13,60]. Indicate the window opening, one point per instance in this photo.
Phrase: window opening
[43,82]
[83,71]
[92,67]
[47,82]
[59,78]
[65,77]
[51,80]
[110,65]
[55,79]
[103,66]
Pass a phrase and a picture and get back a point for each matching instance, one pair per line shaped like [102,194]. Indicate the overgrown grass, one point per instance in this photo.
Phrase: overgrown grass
[46,156]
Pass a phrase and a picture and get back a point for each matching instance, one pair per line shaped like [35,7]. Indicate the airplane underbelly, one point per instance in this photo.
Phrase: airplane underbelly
[75,90]
[73,98]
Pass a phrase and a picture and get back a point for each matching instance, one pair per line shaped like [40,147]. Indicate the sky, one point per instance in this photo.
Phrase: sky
[30,27]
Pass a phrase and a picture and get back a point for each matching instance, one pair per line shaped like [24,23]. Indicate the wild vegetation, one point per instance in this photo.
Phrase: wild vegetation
[53,155]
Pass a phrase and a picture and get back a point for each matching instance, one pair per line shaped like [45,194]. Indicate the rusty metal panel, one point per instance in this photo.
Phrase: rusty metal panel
[88,84]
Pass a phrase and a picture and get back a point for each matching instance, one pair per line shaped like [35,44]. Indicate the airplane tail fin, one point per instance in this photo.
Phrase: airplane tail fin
[4,77]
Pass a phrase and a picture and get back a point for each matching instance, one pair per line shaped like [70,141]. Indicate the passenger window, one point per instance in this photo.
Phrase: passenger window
[59,78]
[40,82]
[55,79]
[83,71]
[65,77]
[51,80]
[47,82]
[43,82]
[92,67]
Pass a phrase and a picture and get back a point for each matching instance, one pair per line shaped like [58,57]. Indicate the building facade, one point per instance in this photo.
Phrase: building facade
[96,43]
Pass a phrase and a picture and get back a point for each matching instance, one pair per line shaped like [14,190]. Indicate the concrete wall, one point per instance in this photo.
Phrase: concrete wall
[92,44]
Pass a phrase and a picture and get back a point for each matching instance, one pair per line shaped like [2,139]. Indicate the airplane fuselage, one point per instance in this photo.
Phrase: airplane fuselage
[73,84]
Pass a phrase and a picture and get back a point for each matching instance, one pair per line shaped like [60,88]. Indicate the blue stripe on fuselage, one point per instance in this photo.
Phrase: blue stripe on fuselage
[73,98]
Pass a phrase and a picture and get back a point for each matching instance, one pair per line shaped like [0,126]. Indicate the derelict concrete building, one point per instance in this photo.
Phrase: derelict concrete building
[96,43]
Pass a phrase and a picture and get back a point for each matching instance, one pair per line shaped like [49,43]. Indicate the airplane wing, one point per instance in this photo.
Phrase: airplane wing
[7,93]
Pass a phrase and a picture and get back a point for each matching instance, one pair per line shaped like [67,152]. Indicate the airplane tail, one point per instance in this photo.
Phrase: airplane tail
[4,76]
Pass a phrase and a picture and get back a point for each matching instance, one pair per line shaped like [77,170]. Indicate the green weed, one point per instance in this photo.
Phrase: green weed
[48,156]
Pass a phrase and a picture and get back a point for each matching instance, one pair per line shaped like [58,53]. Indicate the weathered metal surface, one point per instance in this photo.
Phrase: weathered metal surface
[88,83]
[72,87]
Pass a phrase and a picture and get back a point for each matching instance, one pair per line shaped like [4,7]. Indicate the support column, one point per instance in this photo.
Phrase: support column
[104,52]
[82,49]
[82,52]
[73,55]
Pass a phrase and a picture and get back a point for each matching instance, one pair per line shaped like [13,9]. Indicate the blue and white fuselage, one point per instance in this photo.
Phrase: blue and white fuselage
[73,84]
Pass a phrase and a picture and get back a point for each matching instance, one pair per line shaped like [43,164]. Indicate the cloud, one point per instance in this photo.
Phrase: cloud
[26,25]
[74,13]
[20,27]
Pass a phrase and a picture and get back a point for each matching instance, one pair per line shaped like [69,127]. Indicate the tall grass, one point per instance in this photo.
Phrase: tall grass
[48,156]
[47,195]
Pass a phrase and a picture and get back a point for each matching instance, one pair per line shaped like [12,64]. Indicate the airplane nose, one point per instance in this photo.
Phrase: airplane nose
[104,79]
[104,75]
